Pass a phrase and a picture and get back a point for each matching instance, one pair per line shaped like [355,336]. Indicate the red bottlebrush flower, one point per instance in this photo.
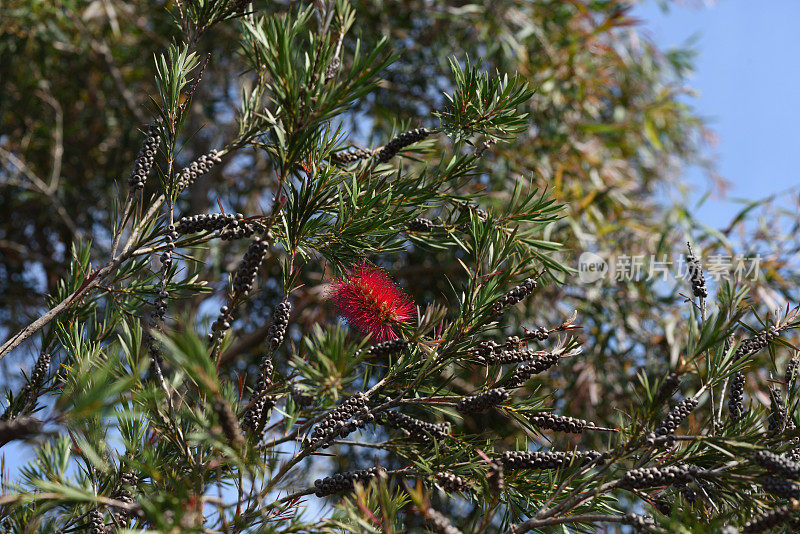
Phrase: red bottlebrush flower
[371,302]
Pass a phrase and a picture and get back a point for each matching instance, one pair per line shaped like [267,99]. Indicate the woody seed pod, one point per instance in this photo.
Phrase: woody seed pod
[514,460]
[515,295]
[228,422]
[496,477]
[736,396]
[420,224]
[440,523]
[452,482]
[349,156]
[781,487]
[482,401]
[777,464]
[768,520]
[188,175]
[386,348]
[144,160]
[755,344]
[394,146]
[421,431]
[648,477]
[777,414]
[248,268]
[696,275]
[559,423]
[96,522]
[676,416]
[343,420]
[526,371]
[341,482]
[277,330]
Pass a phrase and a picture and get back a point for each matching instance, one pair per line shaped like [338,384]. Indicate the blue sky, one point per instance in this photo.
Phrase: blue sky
[748,80]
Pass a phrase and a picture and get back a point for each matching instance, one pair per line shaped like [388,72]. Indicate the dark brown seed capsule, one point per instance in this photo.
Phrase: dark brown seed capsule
[559,423]
[343,482]
[228,422]
[440,523]
[515,295]
[736,397]
[768,520]
[420,431]
[394,146]
[696,275]
[481,402]
[349,156]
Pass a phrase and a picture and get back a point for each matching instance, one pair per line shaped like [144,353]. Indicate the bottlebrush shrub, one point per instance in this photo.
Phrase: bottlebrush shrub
[139,421]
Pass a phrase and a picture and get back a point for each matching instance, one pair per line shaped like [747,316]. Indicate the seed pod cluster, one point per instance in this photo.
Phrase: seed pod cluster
[514,460]
[420,224]
[222,323]
[96,522]
[780,465]
[421,431]
[539,333]
[228,422]
[350,156]
[496,477]
[736,396]
[248,268]
[781,487]
[666,389]
[696,275]
[756,343]
[196,169]
[791,370]
[481,213]
[300,397]
[127,482]
[394,146]
[641,523]
[160,304]
[332,68]
[452,482]
[144,160]
[484,350]
[227,225]
[676,416]
[264,375]
[350,415]
[385,348]
[169,238]
[559,423]
[539,364]
[648,477]
[768,520]
[35,382]
[515,295]
[277,330]
[777,413]
[342,482]
[504,356]
[481,402]
[440,523]
[19,428]
[254,419]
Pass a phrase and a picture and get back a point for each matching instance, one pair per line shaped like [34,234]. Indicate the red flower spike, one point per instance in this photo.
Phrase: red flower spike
[371,302]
